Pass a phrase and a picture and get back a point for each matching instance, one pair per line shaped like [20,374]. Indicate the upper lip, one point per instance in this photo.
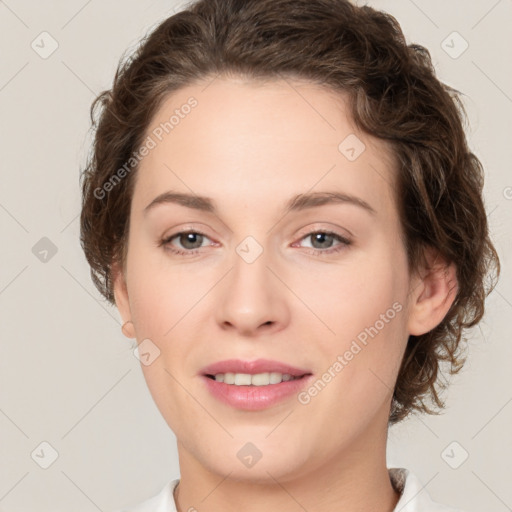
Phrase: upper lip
[253,367]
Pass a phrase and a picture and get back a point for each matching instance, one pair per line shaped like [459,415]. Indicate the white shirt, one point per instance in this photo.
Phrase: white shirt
[413,497]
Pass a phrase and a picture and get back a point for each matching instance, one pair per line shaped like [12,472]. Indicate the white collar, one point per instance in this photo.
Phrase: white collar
[414,497]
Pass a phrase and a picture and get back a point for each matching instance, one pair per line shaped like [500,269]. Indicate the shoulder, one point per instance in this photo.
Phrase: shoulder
[414,497]
[161,502]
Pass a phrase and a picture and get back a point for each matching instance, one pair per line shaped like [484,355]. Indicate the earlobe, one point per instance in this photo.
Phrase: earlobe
[432,295]
[122,300]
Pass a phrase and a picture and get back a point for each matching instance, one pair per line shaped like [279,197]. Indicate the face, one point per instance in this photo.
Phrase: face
[293,255]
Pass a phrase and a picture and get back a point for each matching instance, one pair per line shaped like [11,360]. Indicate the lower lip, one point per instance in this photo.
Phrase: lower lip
[255,398]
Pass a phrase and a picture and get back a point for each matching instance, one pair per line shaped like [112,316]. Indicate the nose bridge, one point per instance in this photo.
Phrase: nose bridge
[250,281]
[251,296]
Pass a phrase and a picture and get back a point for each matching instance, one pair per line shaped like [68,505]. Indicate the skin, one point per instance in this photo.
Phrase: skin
[250,147]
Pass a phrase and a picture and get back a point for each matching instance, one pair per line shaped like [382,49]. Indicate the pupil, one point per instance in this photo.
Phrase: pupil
[320,236]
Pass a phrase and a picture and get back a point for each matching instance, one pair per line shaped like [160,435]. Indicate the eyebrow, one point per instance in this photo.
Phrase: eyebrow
[296,203]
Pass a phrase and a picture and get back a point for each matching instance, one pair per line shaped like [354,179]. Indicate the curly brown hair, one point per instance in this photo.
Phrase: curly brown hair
[395,96]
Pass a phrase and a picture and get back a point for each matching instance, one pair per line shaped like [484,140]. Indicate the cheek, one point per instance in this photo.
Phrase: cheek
[363,307]
[352,297]
[162,293]
[162,308]
[163,301]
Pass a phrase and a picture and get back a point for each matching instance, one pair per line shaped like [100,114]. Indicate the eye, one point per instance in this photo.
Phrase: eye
[190,241]
[321,242]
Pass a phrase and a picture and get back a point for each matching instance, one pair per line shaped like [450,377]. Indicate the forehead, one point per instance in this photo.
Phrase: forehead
[263,140]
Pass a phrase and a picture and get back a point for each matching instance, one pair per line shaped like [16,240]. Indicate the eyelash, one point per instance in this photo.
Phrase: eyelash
[318,252]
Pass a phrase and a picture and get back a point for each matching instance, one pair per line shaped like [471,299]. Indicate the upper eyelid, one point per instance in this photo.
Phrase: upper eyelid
[307,231]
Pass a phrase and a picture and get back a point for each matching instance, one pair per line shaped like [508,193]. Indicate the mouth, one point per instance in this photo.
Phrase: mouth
[254,385]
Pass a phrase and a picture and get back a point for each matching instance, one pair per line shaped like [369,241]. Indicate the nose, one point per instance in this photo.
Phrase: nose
[252,299]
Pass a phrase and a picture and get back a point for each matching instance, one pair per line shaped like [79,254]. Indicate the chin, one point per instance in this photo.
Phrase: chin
[256,462]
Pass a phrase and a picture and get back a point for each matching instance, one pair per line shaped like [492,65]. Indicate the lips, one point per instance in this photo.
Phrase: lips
[254,396]
[253,368]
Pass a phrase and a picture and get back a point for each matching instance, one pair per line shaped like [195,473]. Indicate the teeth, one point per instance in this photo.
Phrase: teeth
[259,379]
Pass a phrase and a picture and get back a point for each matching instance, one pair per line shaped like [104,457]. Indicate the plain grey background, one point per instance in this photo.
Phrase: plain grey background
[68,376]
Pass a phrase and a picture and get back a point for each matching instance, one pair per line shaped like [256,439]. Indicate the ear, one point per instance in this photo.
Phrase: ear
[432,293]
[122,300]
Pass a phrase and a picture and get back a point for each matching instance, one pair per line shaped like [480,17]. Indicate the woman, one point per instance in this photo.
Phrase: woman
[282,204]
